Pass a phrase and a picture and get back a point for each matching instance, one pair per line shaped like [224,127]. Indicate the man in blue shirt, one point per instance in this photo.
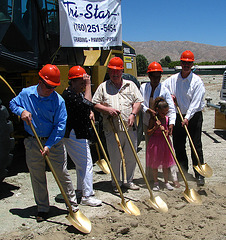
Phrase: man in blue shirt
[45,108]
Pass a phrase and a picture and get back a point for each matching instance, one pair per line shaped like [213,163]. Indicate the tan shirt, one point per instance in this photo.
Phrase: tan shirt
[121,99]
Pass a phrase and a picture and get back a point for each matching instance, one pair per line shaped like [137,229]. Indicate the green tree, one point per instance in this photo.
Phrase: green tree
[165,61]
[142,64]
[173,64]
[168,59]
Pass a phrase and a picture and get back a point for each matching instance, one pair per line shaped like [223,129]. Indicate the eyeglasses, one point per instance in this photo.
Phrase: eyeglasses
[48,86]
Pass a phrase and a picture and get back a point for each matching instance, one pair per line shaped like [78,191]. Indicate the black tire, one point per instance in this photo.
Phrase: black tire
[6,141]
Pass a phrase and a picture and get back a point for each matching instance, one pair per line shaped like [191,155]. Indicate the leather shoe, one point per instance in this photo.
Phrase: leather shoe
[41,216]
[131,185]
[200,181]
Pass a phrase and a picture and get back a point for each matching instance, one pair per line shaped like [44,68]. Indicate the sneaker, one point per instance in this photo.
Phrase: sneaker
[156,186]
[169,187]
[91,201]
[131,185]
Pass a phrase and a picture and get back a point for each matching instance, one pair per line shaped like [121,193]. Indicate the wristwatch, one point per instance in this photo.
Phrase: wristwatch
[133,114]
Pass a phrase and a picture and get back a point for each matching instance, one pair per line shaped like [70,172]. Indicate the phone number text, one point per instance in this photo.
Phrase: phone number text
[92,28]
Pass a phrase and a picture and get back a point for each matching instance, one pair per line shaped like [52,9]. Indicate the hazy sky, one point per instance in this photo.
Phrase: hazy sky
[201,21]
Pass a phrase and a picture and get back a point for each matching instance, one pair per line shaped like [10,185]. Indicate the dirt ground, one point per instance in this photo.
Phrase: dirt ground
[183,220]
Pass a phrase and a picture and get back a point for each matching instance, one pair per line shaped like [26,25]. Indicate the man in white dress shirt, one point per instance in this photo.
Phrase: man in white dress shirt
[189,90]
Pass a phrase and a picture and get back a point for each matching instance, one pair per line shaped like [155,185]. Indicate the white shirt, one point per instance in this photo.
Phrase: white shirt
[160,91]
[189,92]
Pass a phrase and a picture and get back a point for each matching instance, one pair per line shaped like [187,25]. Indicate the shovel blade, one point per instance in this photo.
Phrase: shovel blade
[130,208]
[158,204]
[103,166]
[192,196]
[205,170]
[80,221]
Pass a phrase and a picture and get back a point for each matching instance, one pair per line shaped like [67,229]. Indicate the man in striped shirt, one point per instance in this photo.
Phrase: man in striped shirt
[112,97]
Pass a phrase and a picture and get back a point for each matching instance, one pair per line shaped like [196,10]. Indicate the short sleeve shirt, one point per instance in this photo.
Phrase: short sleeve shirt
[121,99]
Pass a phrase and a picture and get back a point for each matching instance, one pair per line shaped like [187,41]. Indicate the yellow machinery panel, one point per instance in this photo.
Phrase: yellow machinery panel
[220,120]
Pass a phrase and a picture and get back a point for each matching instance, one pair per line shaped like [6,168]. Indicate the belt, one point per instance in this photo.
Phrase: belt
[41,138]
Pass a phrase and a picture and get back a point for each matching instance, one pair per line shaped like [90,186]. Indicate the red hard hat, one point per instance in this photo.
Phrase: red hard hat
[76,72]
[154,67]
[50,74]
[116,63]
[187,56]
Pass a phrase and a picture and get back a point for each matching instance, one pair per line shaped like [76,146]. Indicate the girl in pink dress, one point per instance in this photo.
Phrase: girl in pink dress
[158,154]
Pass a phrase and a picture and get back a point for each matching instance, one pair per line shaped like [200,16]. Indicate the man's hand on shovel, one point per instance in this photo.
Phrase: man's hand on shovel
[185,120]
[26,116]
[45,151]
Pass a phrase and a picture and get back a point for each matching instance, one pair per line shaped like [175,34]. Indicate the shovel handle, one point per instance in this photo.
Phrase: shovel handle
[136,157]
[52,169]
[108,162]
[174,156]
[120,148]
[189,136]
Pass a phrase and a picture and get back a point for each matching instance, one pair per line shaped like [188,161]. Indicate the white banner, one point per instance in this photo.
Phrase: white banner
[90,23]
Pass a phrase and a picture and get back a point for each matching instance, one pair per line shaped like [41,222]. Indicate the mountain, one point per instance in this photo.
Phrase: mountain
[156,50]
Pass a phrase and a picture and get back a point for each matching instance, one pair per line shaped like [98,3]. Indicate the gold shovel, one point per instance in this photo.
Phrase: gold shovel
[120,150]
[156,202]
[77,219]
[128,207]
[203,169]
[189,194]
[101,162]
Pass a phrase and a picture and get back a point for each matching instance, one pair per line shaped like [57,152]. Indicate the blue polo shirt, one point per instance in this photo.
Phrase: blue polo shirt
[49,114]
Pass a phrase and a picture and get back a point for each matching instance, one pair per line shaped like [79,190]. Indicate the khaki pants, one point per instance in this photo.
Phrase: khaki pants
[36,165]
[115,156]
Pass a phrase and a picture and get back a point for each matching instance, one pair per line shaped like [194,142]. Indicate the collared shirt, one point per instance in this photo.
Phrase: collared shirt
[48,113]
[121,99]
[160,91]
[189,92]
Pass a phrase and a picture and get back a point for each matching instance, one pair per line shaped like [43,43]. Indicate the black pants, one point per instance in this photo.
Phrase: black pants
[179,140]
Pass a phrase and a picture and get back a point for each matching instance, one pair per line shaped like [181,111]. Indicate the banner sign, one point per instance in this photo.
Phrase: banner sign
[90,23]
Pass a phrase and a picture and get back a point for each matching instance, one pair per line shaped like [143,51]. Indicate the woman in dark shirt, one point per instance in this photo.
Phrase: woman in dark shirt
[78,104]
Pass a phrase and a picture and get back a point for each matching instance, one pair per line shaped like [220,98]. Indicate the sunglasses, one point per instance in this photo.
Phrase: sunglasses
[48,86]
[186,63]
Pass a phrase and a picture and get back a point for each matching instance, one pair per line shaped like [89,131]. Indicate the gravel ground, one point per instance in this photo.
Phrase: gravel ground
[182,221]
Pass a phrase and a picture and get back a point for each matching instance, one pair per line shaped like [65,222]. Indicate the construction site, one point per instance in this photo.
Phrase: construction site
[29,39]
